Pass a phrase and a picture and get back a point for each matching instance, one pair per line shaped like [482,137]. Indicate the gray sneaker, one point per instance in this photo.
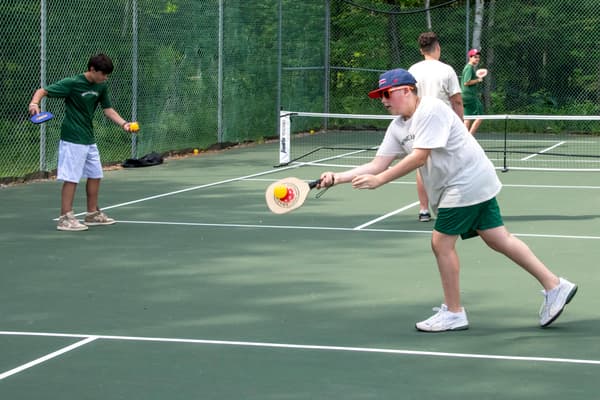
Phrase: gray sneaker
[68,222]
[444,320]
[555,301]
[98,218]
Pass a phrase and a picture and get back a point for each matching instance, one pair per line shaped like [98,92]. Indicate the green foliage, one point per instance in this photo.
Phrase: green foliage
[543,57]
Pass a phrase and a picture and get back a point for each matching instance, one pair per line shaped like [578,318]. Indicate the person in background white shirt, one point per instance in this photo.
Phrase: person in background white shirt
[437,79]
[462,185]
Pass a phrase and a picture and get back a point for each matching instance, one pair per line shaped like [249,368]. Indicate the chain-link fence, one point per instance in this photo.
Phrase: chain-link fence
[543,56]
[193,73]
[199,72]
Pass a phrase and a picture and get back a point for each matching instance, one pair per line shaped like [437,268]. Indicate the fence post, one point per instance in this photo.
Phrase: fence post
[43,167]
[327,61]
[220,78]
[134,73]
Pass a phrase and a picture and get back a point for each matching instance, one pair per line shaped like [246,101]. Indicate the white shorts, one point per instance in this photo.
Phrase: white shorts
[76,161]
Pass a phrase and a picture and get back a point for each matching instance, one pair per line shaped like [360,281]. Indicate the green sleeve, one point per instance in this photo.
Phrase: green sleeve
[467,74]
[104,98]
[61,88]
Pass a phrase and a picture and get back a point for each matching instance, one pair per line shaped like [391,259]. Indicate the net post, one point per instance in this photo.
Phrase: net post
[134,72]
[284,137]
[43,162]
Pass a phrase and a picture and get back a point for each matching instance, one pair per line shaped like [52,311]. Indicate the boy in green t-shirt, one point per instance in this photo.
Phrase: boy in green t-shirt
[78,154]
[470,85]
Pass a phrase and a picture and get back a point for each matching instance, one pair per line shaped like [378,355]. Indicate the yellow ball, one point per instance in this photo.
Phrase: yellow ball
[134,127]
[312,131]
[195,151]
[280,191]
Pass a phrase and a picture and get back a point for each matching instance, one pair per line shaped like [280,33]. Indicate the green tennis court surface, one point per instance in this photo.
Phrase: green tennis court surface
[200,293]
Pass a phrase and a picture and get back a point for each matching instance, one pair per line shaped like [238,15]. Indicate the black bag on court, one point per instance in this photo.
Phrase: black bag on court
[146,161]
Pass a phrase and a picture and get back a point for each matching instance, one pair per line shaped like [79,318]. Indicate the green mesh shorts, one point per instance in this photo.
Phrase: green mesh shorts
[474,107]
[466,221]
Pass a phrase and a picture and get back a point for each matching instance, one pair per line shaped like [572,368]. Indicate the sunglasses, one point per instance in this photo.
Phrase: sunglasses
[387,93]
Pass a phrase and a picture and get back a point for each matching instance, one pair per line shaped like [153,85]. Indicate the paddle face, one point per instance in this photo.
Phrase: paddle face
[41,117]
[287,194]
[481,72]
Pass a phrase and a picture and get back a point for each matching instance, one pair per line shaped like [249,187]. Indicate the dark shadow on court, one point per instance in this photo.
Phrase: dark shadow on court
[292,285]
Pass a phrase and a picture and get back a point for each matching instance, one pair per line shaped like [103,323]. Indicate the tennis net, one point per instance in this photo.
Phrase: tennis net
[532,142]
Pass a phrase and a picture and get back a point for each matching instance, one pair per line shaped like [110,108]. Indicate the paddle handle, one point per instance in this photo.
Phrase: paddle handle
[314,184]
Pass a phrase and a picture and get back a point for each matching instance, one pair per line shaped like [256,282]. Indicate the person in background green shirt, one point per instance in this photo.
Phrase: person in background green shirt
[470,91]
[78,155]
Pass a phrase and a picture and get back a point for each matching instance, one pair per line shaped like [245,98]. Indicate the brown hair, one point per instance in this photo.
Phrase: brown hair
[101,62]
[427,41]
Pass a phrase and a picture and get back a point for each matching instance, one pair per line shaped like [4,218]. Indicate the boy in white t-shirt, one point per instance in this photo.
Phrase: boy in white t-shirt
[461,184]
[437,79]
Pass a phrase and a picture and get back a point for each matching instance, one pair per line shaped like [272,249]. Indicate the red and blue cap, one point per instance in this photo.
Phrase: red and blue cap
[391,78]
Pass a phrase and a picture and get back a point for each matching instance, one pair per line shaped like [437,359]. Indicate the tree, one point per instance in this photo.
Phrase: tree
[477,24]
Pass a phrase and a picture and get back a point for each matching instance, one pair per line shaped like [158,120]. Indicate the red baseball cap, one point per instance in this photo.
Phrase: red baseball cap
[473,52]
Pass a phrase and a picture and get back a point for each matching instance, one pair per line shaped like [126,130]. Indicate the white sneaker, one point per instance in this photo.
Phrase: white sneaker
[444,320]
[555,301]
[68,222]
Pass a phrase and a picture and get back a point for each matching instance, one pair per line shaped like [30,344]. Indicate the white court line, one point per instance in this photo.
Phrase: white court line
[327,228]
[390,214]
[389,183]
[328,165]
[240,178]
[294,166]
[373,221]
[256,177]
[537,141]
[543,151]
[271,171]
[397,182]
[552,186]
[538,169]
[47,357]
[315,347]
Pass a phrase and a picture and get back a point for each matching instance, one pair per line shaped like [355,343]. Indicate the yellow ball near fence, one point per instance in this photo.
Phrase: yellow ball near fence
[312,131]
[134,127]
[196,151]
